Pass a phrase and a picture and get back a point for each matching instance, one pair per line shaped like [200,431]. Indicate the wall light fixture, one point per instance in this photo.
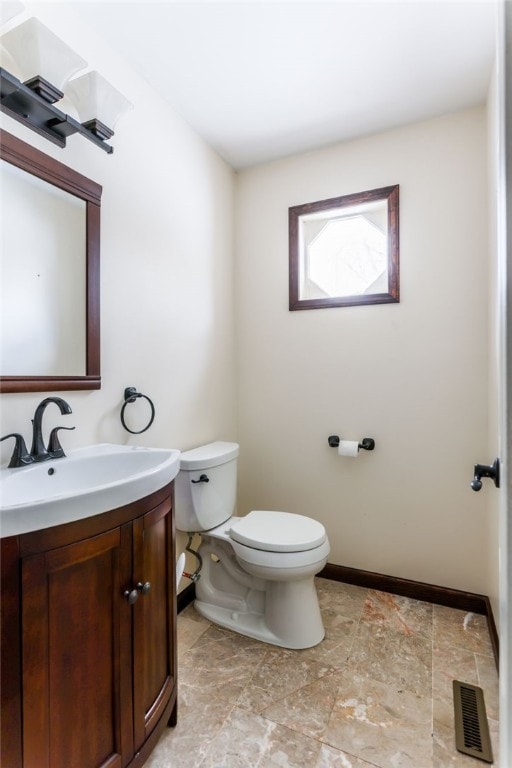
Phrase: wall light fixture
[99,104]
[46,65]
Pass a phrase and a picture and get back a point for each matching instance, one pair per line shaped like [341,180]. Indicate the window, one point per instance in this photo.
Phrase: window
[344,251]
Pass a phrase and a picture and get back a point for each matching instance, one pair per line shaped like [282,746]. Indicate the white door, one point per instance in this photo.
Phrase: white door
[505,396]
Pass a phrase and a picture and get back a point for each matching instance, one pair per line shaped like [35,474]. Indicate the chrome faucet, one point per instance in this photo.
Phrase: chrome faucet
[21,457]
[38,451]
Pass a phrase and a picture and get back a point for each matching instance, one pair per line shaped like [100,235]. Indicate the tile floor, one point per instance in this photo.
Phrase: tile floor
[376,693]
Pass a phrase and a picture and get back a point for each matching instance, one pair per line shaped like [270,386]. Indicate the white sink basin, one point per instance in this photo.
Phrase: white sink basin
[86,482]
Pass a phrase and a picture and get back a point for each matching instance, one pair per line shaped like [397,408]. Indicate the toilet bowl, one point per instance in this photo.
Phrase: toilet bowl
[257,574]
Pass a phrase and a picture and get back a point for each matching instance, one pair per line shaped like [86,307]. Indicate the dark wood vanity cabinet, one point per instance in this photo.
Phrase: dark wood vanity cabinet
[88,639]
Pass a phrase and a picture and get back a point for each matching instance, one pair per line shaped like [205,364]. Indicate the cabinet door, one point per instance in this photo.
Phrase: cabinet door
[154,618]
[76,662]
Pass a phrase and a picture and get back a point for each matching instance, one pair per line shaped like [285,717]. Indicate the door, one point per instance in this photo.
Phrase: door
[75,674]
[154,615]
[504,54]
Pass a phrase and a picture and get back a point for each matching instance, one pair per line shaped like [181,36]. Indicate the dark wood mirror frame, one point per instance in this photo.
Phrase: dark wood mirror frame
[31,160]
[388,194]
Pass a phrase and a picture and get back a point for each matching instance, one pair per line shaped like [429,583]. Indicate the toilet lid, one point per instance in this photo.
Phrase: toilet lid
[278,531]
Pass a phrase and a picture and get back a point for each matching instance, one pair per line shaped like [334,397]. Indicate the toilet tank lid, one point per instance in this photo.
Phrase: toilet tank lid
[210,455]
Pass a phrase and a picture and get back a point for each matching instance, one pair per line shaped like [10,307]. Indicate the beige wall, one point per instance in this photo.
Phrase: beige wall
[412,375]
[166,270]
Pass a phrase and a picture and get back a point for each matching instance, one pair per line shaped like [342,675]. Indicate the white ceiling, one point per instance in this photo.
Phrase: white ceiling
[263,79]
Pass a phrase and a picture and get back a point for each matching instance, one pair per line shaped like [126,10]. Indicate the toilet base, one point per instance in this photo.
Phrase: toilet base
[247,624]
[286,622]
[246,597]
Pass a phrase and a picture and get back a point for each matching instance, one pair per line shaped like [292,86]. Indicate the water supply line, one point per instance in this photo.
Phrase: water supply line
[197,573]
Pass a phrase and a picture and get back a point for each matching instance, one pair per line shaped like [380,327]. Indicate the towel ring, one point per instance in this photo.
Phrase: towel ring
[130,396]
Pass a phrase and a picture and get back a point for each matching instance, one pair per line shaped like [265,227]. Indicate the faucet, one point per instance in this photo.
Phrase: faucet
[38,450]
[21,457]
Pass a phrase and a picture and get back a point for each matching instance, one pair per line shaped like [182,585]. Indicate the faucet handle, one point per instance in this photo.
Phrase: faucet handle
[20,455]
[55,449]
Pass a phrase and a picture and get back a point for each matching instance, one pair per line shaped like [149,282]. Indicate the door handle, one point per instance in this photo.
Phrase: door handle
[486,470]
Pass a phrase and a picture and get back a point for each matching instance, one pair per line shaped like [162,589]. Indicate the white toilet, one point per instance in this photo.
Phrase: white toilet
[257,574]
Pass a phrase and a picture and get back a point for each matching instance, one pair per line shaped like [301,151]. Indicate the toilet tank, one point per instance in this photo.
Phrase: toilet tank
[202,505]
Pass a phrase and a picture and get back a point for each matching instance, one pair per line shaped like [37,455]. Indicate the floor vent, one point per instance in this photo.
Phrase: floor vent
[471,727]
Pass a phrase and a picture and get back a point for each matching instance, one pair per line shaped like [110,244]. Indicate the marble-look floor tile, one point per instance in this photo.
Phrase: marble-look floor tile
[339,637]
[462,629]
[488,681]
[375,693]
[404,661]
[344,599]
[201,715]
[307,710]
[494,732]
[279,675]
[453,663]
[445,754]
[212,633]
[249,741]
[382,725]
[189,612]
[189,632]
[201,712]
[450,663]
[177,750]
[334,758]
[220,664]
[401,614]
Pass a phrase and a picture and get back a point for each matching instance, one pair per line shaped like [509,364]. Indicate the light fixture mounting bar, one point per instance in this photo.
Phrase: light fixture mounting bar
[24,105]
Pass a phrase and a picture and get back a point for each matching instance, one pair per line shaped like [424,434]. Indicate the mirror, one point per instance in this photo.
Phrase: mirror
[344,251]
[49,321]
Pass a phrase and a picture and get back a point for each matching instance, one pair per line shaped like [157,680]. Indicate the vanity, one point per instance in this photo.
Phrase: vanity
[88,581]
[88,605]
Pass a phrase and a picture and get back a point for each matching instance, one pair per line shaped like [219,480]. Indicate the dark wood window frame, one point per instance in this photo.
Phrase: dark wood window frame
[389,194]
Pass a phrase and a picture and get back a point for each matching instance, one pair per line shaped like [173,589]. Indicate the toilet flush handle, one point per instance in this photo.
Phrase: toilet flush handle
[202,479]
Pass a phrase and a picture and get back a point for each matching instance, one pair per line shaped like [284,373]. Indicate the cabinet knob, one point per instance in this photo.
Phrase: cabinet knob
[131,595]
[144,588]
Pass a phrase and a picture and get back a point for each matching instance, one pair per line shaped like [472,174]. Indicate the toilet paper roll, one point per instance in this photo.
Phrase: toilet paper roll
[348,448]
[180,567]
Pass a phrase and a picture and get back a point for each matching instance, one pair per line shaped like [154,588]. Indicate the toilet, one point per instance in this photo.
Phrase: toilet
[256,572]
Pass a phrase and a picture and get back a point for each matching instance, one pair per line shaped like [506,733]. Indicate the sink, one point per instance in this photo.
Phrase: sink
[86,482]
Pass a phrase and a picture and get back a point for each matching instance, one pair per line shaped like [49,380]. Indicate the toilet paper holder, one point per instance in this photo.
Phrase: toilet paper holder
[367,443]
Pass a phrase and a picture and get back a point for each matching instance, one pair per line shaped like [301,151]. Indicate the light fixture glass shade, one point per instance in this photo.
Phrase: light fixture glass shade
[96,100]
[39,52]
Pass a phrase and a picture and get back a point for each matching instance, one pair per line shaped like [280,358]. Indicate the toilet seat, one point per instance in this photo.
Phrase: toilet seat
[272,531]
[280,562]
